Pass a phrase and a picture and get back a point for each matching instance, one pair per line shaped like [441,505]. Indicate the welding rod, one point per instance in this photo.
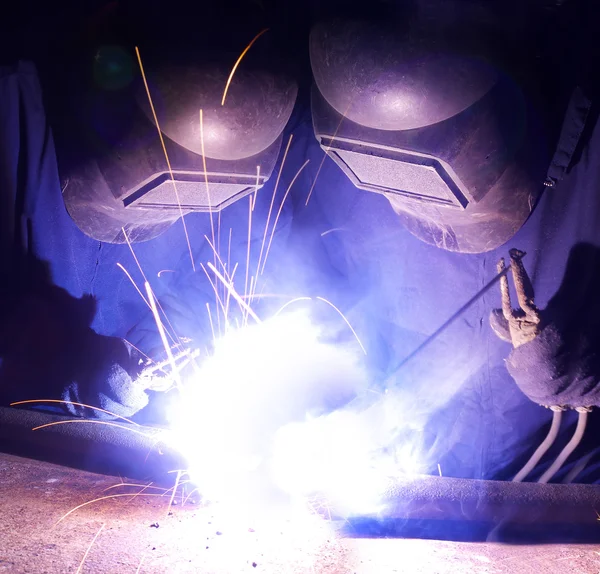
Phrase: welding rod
[453,318]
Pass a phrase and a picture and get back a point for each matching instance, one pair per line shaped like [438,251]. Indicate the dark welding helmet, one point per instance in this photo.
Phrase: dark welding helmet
[113,167]
[419,113]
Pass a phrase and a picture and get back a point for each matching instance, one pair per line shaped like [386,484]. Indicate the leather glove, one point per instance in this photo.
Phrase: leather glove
[556,356]
[521,325]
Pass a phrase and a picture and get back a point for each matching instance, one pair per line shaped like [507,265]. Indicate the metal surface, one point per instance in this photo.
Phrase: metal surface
[416,507]
[481,510]
[117,450]
[139,535]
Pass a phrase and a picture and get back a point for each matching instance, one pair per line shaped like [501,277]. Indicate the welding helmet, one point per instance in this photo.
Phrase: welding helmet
[418,111]
[117,174]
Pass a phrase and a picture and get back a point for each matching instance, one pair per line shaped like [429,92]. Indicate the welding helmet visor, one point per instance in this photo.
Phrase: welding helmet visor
[428,121]
[113,164]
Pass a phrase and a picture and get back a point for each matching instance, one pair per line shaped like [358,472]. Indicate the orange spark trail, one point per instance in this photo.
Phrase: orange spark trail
[218,257]
[262,246]
[229,251]
[30,401]
[212,327]
[326,154]
[210,212]
[139,568]
[174,337]
[162,142]
[163,336]
[177,480]
[251,204]
[228,300]
[279,214]
[219,247]
[145,487]
[89,548]
[212,225]
[133,283]
[91,421]
[108,497]
[291,302]
[237,63]
[213,285]
[139,351]
[165,271]
[256,186]
[346,320]
[234,294]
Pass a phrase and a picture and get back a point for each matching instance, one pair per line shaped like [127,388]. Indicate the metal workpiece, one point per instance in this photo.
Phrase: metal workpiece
[446,508]
[117,448]
[418,506]
[141,534]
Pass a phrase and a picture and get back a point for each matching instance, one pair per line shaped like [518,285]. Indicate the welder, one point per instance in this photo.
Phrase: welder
[457,130]
[476,123]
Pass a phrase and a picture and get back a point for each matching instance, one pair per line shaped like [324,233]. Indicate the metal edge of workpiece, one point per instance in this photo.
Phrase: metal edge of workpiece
[119,448]
[430,507]
[482,510]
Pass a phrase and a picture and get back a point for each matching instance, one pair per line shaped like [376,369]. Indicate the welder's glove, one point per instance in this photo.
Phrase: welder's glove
[106,376]
[162,376]
[556,354]
[522,325]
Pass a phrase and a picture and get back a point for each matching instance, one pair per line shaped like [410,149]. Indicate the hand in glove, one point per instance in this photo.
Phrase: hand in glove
[522,325]
[556,354]
[160,376]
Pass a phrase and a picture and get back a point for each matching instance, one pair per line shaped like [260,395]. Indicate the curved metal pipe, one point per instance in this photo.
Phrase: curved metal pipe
[543,448]
[571,446]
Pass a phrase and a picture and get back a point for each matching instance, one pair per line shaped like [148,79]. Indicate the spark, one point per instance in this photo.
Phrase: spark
[101,498]
[134,284]
[219,301]
[210,212]
[161,331]
[262,246]
[279,212]
[91,421]
[133,484]
[212,327]
[177,481]
[135,494]
[256,186]
[237,63]
[30,401]
[212,224]
[228,293]
[89,548]
[291,302]
[248,244]
[165,271]
[139,350]
[164,147]
[346,321]
[326,154]
[224,267]
[190,495]
[139,568]
[439,469]
[174,336]
[229,251]
[234,293]
[332,231]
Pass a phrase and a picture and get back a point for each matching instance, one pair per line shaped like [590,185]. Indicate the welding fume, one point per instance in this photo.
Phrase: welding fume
[323,244]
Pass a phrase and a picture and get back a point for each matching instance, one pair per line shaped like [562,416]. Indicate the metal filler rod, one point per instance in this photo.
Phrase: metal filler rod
[453,318]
